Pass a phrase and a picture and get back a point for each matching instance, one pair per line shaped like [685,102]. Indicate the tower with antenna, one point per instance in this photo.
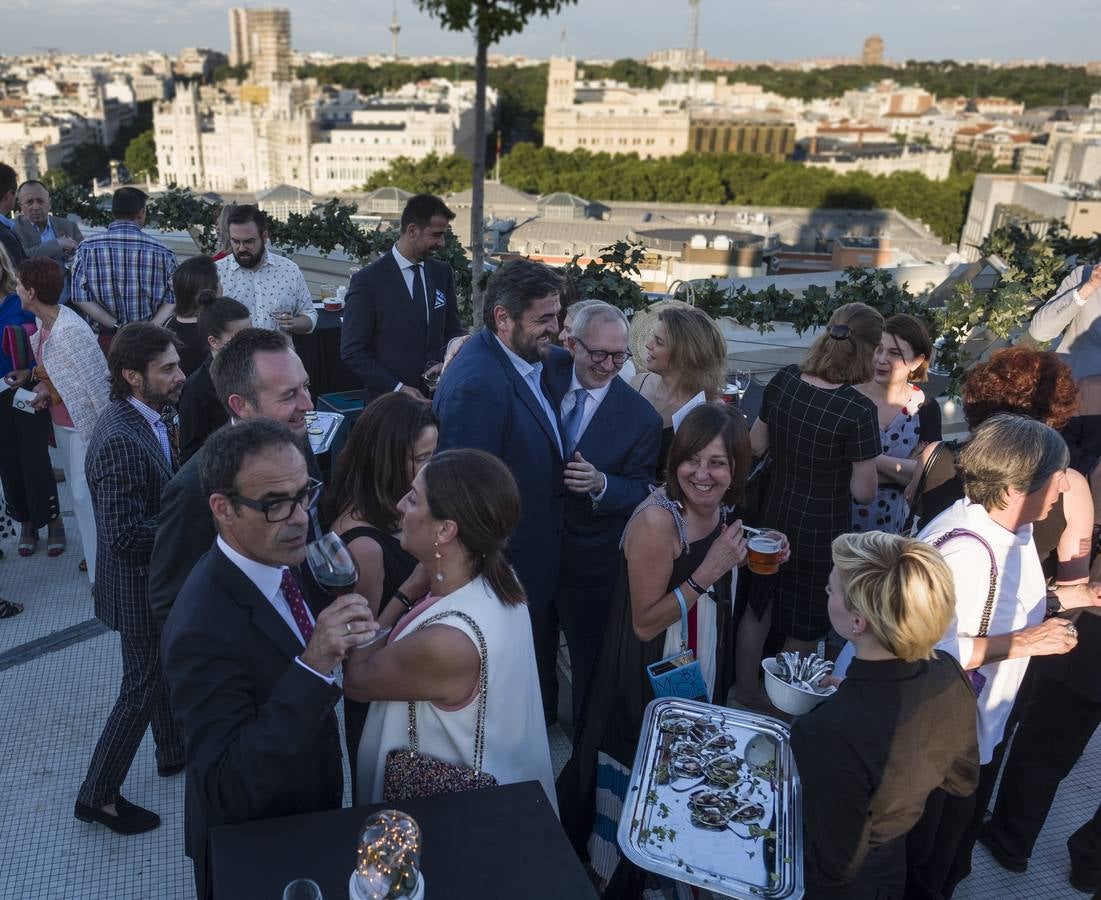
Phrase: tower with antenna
[395,28]
[693,48]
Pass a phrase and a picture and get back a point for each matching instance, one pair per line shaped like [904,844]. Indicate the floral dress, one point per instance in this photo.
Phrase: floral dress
[887,512]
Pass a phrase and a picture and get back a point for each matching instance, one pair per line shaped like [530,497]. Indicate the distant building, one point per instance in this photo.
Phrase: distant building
[261,38]
[879,159]
[196,62]
[873,51]
[724,135]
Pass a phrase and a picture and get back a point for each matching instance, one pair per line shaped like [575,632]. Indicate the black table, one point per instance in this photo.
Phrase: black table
[502,842]
[320,354]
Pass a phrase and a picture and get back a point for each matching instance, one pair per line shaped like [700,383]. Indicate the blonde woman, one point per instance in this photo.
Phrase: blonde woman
[901,724]
[686,354]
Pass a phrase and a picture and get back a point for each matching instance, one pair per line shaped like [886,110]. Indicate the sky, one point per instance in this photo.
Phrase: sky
[1066,31]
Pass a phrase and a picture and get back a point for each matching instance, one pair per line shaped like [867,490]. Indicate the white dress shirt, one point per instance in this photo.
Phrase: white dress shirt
[531,373]
[269,582]
[275,286]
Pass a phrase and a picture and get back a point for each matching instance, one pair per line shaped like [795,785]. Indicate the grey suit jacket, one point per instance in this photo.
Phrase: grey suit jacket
[32,237]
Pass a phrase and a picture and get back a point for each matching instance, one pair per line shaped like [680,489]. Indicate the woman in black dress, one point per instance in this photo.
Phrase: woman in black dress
[675,544]
[193,279]
[391,441]
[823,436]
[901,724]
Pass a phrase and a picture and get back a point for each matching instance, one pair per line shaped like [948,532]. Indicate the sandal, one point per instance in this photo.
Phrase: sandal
[9,609]
[28,541]
[55,543]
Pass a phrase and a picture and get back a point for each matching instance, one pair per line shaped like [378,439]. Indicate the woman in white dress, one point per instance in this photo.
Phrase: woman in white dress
[456,520]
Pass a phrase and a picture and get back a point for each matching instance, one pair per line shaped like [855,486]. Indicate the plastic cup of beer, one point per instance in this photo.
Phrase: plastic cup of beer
[764,551]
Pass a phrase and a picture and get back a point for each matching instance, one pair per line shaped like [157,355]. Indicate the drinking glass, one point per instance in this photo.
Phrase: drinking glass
[302,889]
[433,379]
[741,382]
[335,570]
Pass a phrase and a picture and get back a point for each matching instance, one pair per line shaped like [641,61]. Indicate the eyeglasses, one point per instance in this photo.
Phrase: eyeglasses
[279,509]
[599,356]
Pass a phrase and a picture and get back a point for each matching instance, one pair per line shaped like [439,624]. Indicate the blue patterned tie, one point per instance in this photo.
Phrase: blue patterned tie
[572,421]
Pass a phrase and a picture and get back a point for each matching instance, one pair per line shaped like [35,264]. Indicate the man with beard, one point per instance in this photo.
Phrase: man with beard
[272,287]
[495,397]
[255,375]
[131,457]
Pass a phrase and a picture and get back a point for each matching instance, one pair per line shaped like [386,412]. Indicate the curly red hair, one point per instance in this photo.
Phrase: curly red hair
[1023,382]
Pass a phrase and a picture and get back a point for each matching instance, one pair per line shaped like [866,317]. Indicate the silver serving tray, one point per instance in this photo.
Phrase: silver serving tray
[329,423]
[657,832]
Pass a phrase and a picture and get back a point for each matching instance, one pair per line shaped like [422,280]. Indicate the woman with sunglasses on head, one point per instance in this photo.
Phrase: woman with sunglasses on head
[823,438]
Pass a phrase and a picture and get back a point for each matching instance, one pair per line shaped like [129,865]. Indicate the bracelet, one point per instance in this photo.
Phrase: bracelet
[401,598]
[691,582]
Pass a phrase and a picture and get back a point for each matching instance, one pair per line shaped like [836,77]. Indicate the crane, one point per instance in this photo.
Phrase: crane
[693,46]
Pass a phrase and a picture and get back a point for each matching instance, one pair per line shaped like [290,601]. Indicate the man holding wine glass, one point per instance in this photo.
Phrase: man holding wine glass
[249,667]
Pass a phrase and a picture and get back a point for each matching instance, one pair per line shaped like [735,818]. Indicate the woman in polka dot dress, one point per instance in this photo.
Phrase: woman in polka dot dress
[907,421]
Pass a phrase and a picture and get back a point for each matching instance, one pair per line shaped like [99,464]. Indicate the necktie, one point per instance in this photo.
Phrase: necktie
[172,427]
[572,421]
[418,289]
[293,595]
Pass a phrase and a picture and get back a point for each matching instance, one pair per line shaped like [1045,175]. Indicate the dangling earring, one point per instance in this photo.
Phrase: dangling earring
[438,555]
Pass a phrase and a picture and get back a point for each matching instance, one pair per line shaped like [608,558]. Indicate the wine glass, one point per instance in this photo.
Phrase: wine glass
[302,889]
[741,382]
[335,570]
[431,378]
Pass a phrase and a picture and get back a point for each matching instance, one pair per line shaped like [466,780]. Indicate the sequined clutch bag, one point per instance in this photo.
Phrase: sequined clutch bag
[410,774]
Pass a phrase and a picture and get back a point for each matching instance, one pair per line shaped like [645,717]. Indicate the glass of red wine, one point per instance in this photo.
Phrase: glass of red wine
[335,570]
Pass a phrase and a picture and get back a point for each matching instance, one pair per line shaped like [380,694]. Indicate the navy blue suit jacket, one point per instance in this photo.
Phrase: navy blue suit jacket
[622,441]
[483,403]
[385,338]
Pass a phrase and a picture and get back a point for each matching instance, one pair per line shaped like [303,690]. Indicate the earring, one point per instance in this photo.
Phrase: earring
[438,555]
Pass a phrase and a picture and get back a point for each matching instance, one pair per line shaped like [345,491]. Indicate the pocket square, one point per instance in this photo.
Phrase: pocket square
[441,300]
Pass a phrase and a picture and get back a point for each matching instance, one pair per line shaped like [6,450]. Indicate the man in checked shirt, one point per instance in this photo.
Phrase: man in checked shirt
[124,275]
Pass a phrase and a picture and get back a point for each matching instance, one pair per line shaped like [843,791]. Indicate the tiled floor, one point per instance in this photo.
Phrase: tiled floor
[53,706]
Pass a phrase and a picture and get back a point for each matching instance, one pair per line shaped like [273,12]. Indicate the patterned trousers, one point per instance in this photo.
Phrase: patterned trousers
[142,700]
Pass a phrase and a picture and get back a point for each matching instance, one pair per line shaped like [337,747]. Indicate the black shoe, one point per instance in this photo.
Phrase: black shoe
[131,819]
[1083,878]
[169,771]
[990,841]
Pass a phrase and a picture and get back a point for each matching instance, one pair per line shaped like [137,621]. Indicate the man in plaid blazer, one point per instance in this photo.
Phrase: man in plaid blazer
[131,457]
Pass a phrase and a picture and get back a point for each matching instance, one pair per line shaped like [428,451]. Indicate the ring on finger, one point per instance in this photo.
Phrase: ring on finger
[1072,628]
[348,625]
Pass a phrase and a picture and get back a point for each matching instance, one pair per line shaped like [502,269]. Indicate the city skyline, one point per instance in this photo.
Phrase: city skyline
[945,29]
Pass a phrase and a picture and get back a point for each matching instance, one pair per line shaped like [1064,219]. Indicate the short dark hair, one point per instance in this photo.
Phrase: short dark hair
[128,202]
[215,313]
[8,179]
[192,278]
[913,331]
[44,276]
[245,213]
[699,428]
[517,285]
[421,209]
[33,181]
[135,346]
[371,474]
[226,451]
[233,370]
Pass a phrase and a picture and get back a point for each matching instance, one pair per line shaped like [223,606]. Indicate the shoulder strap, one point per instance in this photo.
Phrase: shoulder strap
[988,609]
[670,506]
[919,490]
[483,684]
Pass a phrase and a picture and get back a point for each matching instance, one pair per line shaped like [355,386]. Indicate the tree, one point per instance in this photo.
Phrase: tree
[141,157]
[491,20]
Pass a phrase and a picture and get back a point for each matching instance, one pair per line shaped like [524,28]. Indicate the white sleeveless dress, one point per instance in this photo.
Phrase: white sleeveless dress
[516,747]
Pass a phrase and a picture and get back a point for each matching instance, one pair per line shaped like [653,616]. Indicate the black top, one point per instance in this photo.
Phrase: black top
[868,758]
[929,422]
[201,413]
[397,565]
[194,349]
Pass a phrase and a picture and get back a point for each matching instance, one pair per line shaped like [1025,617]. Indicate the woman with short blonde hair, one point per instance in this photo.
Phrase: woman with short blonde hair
[901,724]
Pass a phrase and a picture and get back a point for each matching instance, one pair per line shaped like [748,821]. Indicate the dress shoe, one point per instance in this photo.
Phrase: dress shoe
[169,771]
[1085,876]
[131,819]
[989,839]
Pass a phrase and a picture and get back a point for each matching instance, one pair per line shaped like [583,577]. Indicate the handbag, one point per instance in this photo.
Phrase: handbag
[410,774]
[913,518]
[978,680]
[679,675]
[16,344]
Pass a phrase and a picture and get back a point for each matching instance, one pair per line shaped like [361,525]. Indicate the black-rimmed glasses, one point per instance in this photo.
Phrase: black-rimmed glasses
[279,509]
[599,356]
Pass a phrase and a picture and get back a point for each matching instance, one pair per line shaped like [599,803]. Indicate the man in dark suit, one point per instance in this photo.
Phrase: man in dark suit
[40,233]
[249,668]
[255,374]
[130,459]
[612,435]
[400,312]
[494,397]
[9,240]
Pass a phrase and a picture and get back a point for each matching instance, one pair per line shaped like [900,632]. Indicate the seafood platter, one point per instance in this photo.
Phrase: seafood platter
[713,801]
[794,683]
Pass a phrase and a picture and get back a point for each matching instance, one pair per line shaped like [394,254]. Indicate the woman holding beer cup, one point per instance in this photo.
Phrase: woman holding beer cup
[676,549]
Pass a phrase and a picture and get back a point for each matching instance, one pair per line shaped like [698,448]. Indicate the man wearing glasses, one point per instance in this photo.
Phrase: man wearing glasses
[612,438]
[250,670]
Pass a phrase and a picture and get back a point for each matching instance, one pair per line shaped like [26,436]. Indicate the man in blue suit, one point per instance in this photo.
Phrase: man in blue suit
[401,311]
[612,436]
[494,397]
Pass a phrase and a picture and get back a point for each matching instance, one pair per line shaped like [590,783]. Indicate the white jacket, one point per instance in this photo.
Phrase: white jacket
[77,367]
